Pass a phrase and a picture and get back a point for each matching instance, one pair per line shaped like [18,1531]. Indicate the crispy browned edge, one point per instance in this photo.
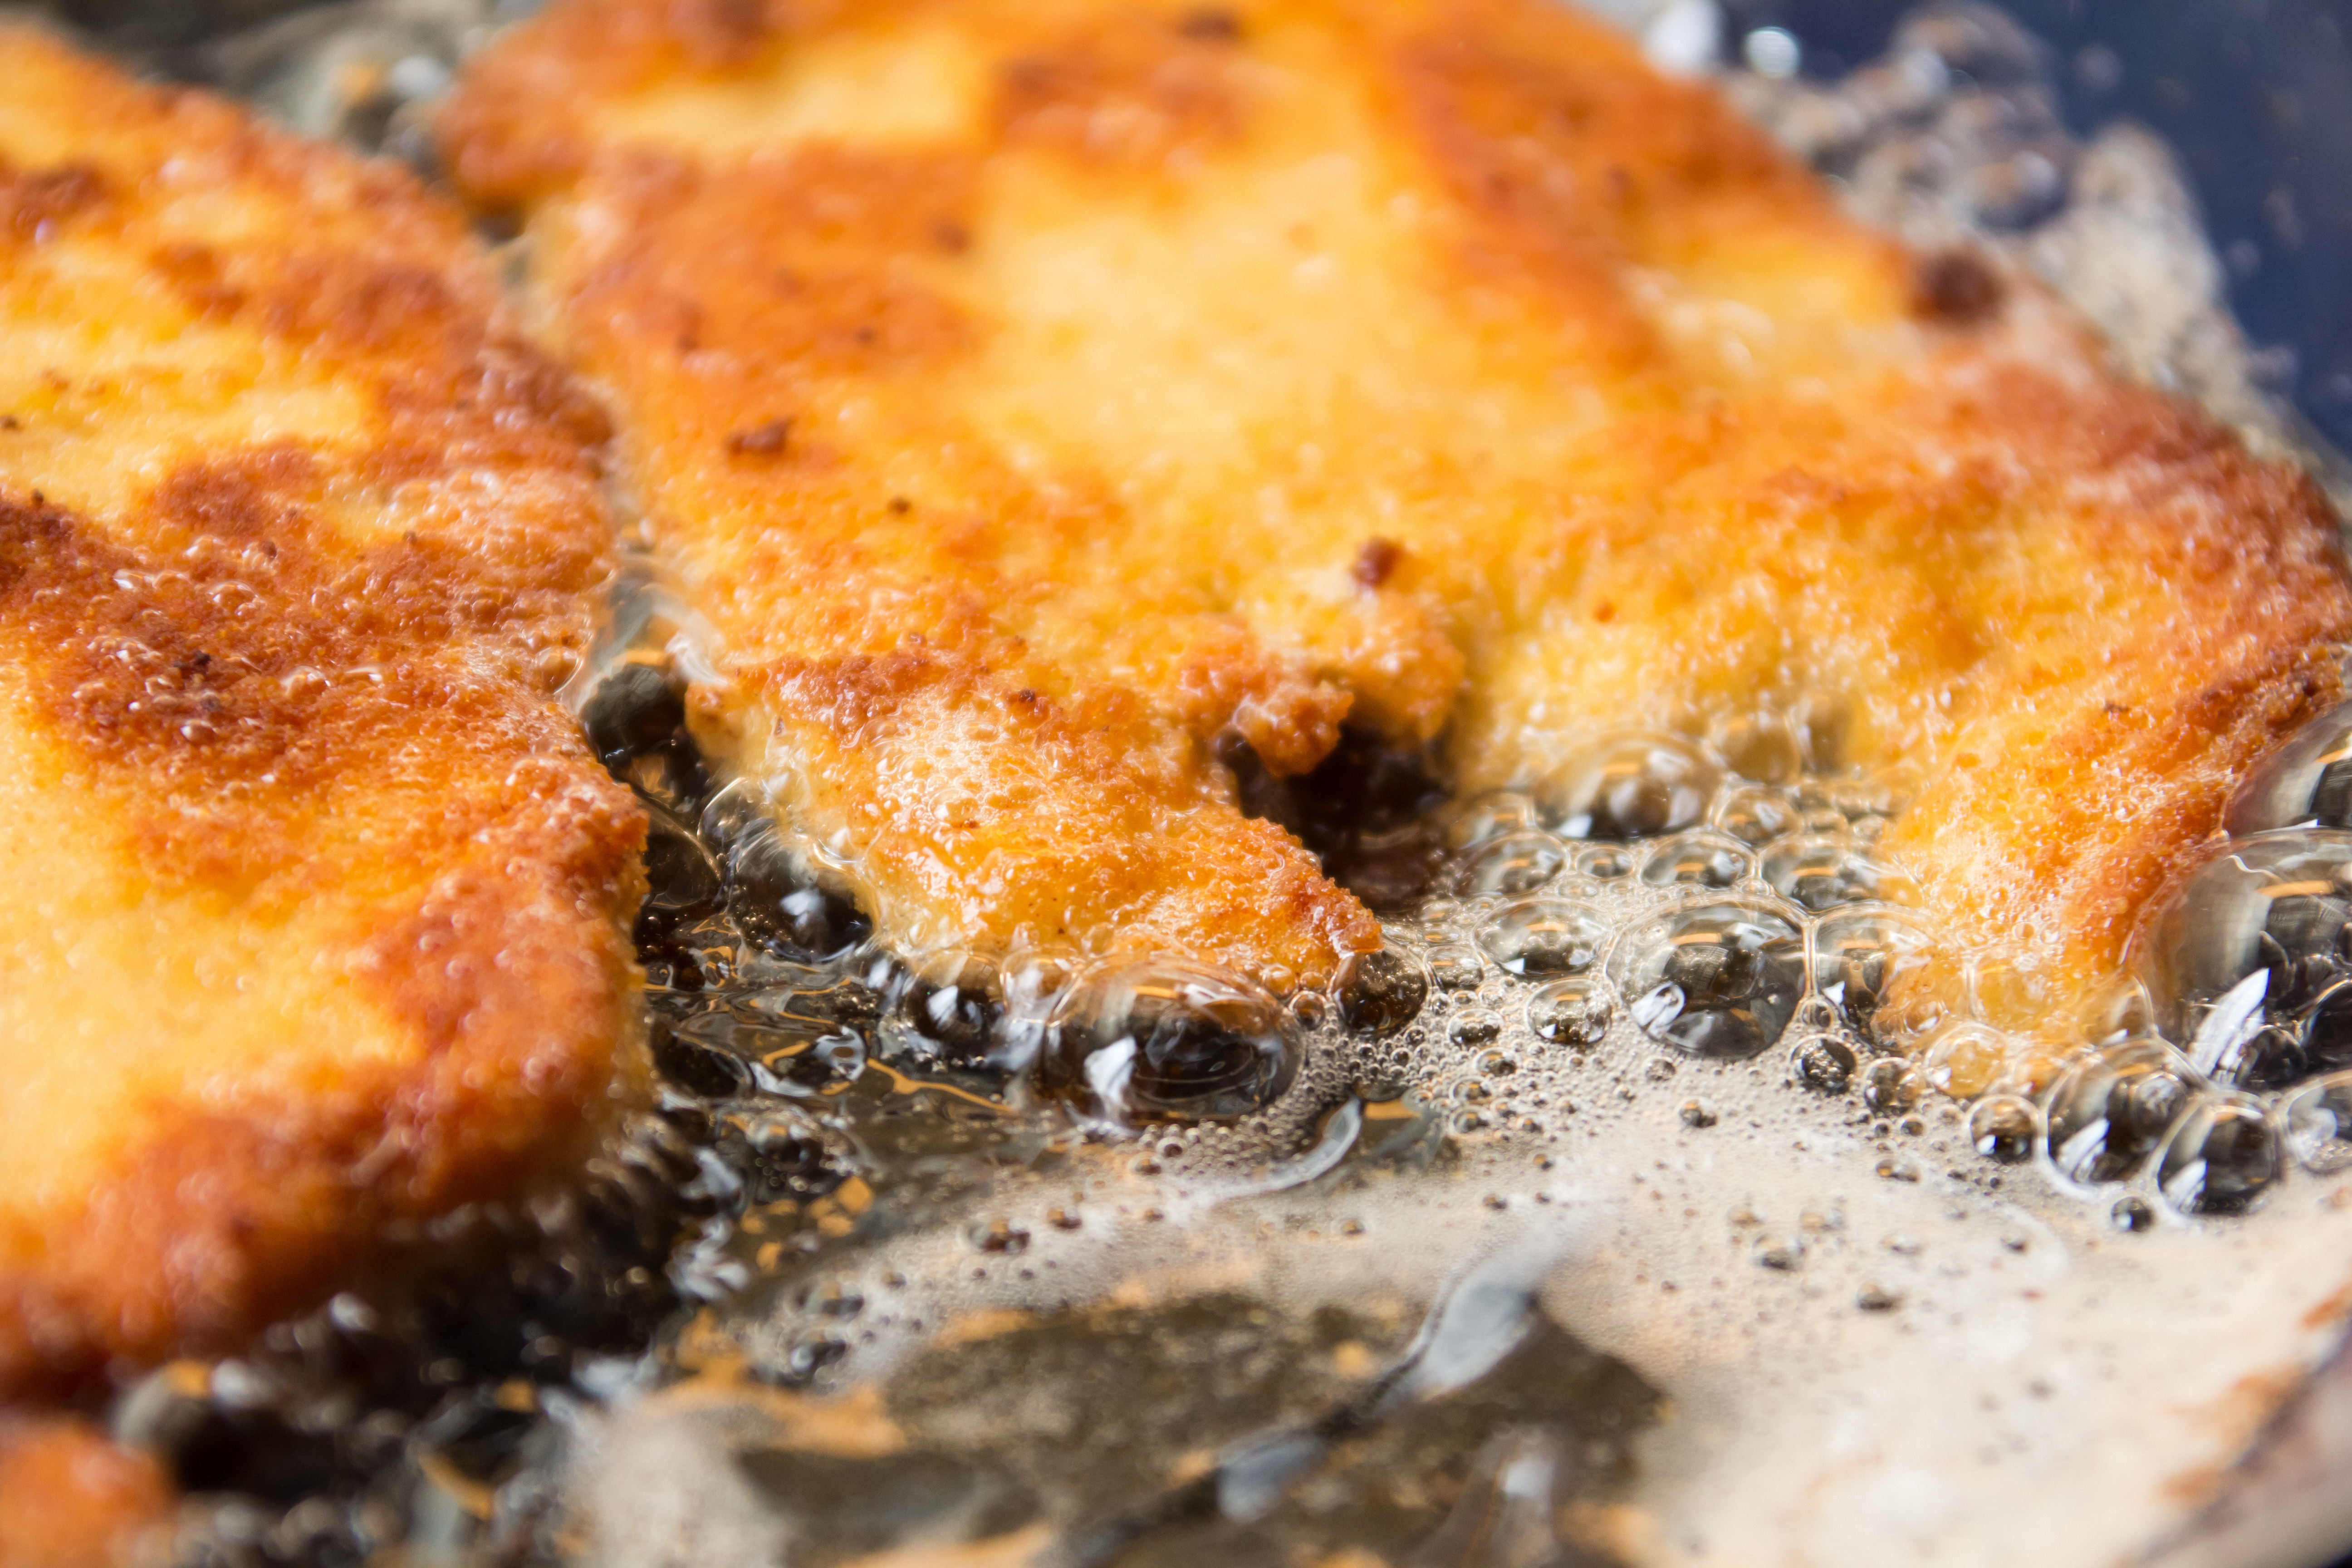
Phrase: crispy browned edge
[515,971]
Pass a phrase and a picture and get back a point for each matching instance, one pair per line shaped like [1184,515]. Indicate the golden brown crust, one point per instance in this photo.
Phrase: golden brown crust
[319,906]
[1435,368]
[69,1499]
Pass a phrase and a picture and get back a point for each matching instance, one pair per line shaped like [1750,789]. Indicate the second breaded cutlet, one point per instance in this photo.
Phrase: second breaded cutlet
[1037,396]
[313,904]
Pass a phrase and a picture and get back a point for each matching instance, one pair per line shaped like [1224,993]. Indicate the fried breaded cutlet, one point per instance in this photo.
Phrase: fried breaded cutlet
[1038,395]
[314,904]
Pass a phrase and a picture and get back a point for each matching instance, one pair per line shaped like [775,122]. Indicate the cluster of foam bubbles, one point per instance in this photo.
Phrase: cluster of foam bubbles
[1725,915]
[2225,1056]
[1681,900]
[1721,900]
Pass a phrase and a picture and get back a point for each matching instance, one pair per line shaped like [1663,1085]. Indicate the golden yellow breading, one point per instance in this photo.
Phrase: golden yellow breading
[1034,394]
[312,904]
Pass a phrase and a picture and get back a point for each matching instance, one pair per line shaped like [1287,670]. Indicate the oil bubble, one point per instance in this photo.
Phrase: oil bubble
[2006,993]
[1823,1063]
[2005,1127]
[955,1004]
[2256,934]
[1487,816]
[2131,1215]
[1032,981]
[2306,782]
[787,1158]
[1514,863]
[1891,1085]
[640,708]
[1574,1013]
[1821,871]
[1455,968]
[999,1236]
[1540,938]
[1165,1040]
[1754,814]
[2108,1112]
[2327,1034]
[2318,1122]
[2116,1010]
[1699,859]
[1964,1060]
[1381,993]
[1475,1028]
[682,881]
[2271,1058]
[1634,786]
[1909,1019]
[1716,980]
[1863,959]
[1762,746]
[1604,862]
[783,907]
[737,810]
[696,1064]
[2222,1158]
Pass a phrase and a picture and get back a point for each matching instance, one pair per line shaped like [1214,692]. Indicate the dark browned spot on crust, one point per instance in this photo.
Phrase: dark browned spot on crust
[762,440]
[194,272]
[33,201]
[1956,288]
[1127,90]
[722,32]
[778,260]
[1375,562]
[1211,24]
